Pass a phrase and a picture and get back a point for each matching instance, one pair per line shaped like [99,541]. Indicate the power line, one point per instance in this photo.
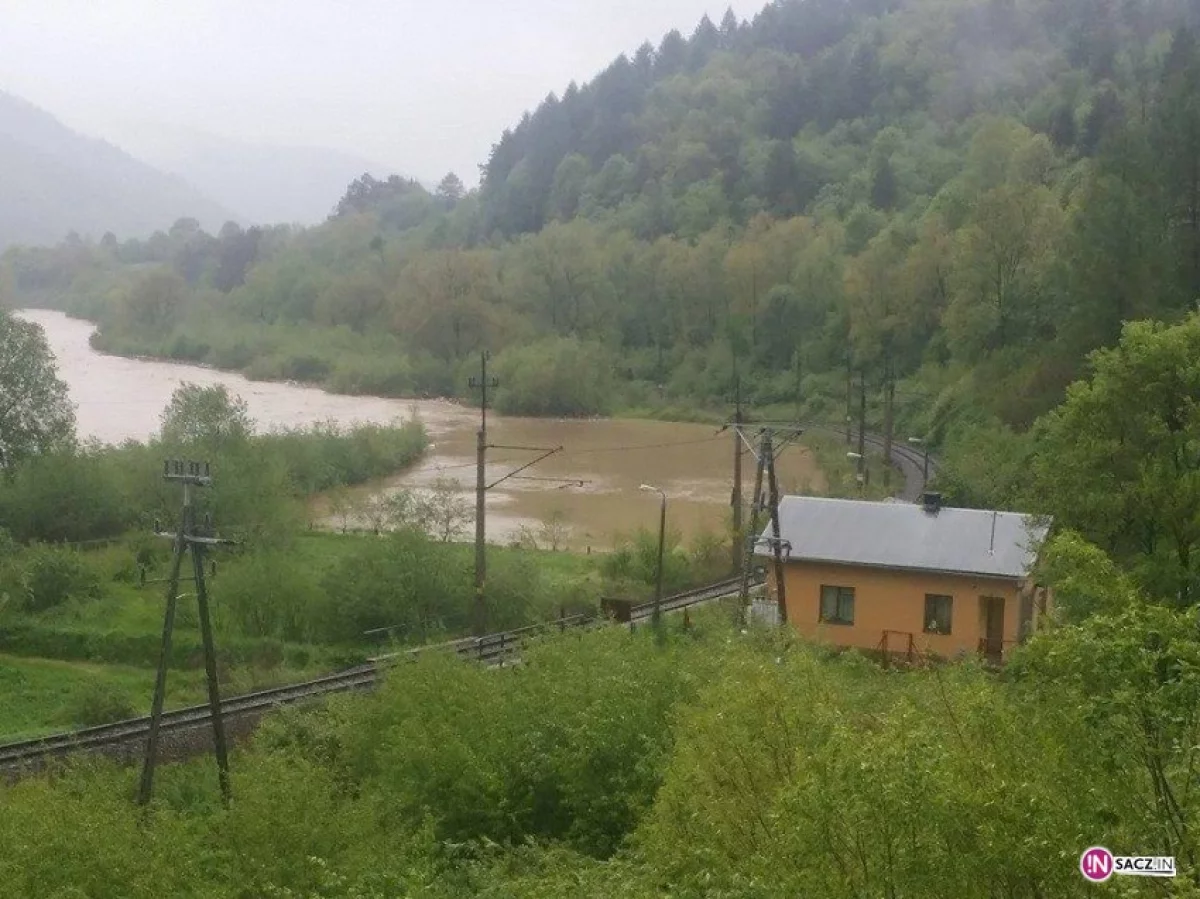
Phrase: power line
[645,446]
[584,452]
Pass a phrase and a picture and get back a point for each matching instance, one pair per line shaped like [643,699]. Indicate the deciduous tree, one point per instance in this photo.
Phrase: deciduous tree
[36,414]
[1120,459]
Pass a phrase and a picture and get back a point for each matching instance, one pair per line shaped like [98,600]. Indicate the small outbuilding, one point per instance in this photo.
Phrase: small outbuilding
[907,578]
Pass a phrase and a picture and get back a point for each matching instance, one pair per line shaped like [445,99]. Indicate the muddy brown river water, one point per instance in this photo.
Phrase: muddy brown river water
[121,399]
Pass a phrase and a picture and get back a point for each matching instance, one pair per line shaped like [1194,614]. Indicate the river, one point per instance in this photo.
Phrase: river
[121,399]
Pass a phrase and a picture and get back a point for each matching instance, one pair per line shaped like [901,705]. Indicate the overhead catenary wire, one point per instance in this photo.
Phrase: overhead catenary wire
[585,452]
[644,446]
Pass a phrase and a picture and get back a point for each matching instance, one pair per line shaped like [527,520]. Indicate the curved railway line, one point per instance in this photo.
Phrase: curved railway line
[908,461]
[492,650]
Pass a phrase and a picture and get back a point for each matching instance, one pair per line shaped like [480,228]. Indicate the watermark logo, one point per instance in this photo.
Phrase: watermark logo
[1097,865]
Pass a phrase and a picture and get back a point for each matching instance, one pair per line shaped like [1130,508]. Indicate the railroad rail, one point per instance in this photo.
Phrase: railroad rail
[909,461]
[492,650]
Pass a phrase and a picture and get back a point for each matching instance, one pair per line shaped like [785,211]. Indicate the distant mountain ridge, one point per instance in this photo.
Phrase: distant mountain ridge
[54,180]
[268,183]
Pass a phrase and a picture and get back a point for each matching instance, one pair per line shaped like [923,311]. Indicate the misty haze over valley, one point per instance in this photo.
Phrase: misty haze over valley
[599,450]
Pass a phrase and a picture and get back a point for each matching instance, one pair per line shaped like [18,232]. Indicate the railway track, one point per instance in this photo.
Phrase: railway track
[120,732]
[909,461]
[491,650]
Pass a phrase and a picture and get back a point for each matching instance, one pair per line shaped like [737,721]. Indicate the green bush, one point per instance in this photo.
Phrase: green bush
[566,747]
[326,456]
[634,562]
[556,376]
[356,374]
[401,581]
[52,577]
[266,595]
[66,496]
[99,703]
[8,546]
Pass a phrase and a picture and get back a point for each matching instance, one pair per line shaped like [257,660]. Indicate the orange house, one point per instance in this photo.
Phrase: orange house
[906,578]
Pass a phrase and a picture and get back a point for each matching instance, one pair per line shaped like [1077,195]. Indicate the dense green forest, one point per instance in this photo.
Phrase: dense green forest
[952,205]
[950,202]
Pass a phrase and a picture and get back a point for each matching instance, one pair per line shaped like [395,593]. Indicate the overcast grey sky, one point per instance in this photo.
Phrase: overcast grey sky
[422,87]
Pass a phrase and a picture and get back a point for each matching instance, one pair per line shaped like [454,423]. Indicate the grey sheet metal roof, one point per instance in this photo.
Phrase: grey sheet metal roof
[904,535]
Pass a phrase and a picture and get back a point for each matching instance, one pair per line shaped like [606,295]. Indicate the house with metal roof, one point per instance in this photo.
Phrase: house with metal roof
[906,578]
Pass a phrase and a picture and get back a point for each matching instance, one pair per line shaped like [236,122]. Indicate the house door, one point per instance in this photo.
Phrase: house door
[992,612]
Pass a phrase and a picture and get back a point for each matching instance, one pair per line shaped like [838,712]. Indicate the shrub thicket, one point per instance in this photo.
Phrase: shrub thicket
[719,764]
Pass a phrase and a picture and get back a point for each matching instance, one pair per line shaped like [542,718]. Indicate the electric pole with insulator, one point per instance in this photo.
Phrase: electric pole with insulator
[862,426]
[482,383]
[739,534]
[190,475]
[776,537]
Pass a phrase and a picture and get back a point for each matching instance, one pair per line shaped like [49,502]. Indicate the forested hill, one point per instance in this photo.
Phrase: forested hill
[54,181]
[820,104]
[950,201]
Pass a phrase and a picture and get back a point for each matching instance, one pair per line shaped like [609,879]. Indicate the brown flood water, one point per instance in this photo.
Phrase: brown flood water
[119,399]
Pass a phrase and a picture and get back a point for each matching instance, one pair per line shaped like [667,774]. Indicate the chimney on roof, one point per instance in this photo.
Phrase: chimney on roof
[932,503]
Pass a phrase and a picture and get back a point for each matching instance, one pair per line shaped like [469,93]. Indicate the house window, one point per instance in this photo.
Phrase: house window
[837,605]
[937,613]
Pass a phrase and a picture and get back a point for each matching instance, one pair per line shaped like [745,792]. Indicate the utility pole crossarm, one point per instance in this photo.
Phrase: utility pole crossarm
[545,454]
[788,438]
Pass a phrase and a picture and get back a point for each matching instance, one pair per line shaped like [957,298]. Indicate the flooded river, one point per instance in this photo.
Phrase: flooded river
[119,399]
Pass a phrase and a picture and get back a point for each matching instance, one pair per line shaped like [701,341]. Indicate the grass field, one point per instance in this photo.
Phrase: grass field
[94,659]
[47,695]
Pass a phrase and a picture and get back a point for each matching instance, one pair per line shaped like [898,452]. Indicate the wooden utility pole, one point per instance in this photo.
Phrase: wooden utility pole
[751,538]
[777,539]
[849,396]
[483,383]
[889,415]
[160,679]
[210,669]
[862,427]
[189,475]
[739,535]
[798,361]
[767,453]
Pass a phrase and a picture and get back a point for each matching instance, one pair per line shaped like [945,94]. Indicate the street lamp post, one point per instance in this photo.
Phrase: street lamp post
[917,441]
[861,476]
[662,538]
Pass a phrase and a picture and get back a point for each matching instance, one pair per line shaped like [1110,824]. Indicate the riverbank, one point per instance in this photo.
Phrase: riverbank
[589,488]
[340,362]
